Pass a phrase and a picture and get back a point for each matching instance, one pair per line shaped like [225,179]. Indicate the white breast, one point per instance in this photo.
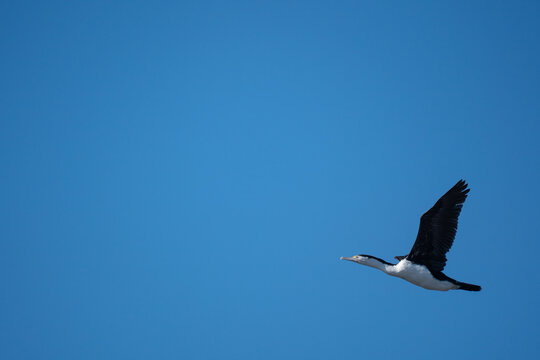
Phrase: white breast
[420,275]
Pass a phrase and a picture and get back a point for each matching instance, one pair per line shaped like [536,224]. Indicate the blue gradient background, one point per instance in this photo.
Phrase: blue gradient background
[179,179]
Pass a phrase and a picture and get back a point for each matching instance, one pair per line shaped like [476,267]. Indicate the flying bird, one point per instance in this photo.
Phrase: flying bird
[424,264]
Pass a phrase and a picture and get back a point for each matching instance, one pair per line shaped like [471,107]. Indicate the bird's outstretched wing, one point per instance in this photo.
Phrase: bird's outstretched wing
[438,228]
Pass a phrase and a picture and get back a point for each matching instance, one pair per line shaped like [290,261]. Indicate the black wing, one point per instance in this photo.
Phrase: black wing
[438,229]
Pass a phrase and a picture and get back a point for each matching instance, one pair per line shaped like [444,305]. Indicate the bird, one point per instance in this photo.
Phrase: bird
[424,264]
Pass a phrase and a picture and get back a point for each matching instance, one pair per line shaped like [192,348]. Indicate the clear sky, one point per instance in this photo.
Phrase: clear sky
[179,179]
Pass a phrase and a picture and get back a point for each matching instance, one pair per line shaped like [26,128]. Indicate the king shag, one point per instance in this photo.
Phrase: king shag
[424,264]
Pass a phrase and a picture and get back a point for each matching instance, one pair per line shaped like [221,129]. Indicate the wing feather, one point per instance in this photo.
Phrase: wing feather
[438,228]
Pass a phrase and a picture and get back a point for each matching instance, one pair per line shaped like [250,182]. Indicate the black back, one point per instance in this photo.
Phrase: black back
[438,228]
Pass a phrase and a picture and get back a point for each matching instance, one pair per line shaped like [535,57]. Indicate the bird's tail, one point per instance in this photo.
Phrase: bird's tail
[468,287]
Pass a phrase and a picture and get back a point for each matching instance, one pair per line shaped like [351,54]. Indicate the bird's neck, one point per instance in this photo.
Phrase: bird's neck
[379,264]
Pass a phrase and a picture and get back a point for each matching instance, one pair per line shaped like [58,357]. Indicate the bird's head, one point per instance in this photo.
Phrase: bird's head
[360,259]
[369,260]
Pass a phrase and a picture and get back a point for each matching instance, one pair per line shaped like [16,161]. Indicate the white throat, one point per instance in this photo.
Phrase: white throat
[374,263]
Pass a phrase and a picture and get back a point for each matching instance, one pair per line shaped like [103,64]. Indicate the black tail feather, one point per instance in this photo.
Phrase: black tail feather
[468,287]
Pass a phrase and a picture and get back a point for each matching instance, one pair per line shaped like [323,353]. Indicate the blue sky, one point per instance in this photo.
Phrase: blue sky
[180,178]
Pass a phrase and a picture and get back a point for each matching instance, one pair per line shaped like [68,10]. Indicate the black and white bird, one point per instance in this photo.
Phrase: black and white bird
[425,262]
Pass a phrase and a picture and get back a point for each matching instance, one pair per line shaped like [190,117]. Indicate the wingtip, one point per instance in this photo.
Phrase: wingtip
[462,186]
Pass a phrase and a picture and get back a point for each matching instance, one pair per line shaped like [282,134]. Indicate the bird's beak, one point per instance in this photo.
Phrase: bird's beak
[346,258]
